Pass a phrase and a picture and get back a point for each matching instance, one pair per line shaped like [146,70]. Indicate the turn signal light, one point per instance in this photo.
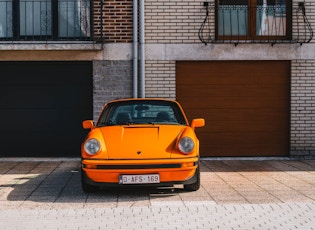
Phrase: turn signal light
[189,164]
[90,166]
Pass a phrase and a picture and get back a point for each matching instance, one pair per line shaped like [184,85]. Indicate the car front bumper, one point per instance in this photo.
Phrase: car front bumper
[171,171]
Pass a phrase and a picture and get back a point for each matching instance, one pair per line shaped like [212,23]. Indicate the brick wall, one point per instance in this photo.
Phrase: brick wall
[175,21]
[303,108]
[298,23]
[116,20]
[111,80]
[160,79]
[178,21]
[166,21]
[97,19]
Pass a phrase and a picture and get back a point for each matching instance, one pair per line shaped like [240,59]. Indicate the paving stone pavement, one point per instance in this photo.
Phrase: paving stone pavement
[234,194]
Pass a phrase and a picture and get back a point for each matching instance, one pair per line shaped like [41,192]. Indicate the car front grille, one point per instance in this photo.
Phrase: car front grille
[146,166]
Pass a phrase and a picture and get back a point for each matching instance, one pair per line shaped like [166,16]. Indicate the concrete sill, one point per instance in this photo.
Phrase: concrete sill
[37,45]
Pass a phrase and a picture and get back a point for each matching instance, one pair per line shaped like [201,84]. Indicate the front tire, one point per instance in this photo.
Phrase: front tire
[85,186]
[194,186]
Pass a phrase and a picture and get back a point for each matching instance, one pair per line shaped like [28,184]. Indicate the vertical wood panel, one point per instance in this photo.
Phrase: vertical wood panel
[245,103]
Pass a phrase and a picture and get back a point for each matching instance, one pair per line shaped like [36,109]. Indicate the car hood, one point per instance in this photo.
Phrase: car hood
[141,141]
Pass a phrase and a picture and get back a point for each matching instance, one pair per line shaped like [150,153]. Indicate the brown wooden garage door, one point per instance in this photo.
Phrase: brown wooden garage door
[245,104]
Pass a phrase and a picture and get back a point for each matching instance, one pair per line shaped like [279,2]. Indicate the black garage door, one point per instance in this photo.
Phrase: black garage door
[42,105]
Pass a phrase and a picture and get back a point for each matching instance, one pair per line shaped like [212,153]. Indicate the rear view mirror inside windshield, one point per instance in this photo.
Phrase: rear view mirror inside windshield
[142,107]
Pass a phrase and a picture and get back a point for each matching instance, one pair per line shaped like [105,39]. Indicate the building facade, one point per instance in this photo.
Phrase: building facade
[246,66]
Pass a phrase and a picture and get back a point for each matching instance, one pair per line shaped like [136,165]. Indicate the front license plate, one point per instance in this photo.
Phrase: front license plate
[139,179]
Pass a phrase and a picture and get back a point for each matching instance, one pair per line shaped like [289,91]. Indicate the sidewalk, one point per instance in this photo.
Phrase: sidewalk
[235,194]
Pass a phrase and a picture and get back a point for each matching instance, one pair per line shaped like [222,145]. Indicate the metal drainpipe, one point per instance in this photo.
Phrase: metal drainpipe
[142,51]
[135,48]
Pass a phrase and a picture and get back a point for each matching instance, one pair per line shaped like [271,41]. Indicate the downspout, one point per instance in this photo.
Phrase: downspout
[142,51]
[135,48]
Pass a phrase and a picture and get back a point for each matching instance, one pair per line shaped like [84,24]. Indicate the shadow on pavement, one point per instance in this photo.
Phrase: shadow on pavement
[223,181]
[62,183]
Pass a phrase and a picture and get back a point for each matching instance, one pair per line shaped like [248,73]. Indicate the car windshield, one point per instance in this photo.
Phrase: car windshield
[141,112]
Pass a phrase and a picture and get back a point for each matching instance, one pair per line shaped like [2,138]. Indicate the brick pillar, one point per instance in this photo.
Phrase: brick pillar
[303,109]
[111,80]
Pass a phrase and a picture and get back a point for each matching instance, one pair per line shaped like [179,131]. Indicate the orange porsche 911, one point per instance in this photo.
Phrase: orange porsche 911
[141,142]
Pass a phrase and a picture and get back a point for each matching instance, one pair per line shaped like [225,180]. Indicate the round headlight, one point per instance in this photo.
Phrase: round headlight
[186,145]
[92,146]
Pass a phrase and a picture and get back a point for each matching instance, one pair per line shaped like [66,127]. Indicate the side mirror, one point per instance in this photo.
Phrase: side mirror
[200,122]
[88,124]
